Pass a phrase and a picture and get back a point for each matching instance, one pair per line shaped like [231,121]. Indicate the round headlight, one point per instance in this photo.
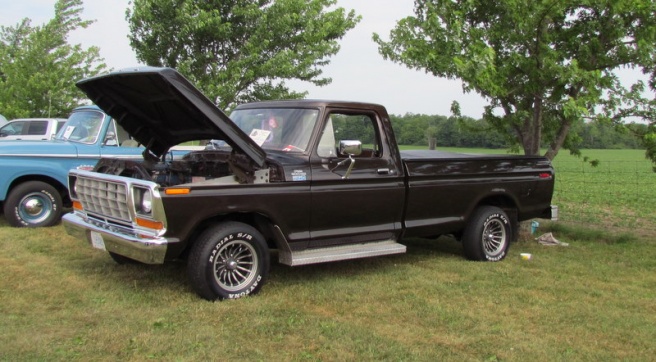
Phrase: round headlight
[147,201]
[74,191]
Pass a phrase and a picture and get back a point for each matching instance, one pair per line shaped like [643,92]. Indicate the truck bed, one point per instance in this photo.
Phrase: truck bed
[444,186]
[423,155]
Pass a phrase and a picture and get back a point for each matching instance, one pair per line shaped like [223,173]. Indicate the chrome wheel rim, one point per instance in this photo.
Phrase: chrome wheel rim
[235,266]
[34,208]
[494,237]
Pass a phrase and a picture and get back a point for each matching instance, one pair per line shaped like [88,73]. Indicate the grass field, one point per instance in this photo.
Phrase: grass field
[593,300]
[619,194]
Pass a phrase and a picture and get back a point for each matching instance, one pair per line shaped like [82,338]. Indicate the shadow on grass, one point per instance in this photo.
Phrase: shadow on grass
[577,232]
[125,278]
[172,276]
[418,250]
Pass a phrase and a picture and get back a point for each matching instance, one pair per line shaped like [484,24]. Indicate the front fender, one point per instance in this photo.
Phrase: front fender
[16,169]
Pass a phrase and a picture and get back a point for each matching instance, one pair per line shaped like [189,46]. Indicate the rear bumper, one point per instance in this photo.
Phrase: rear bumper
[145,250]
[547,213]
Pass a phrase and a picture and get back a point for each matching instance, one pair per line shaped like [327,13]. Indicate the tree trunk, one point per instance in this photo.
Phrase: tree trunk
[532,130]
[432,142]
[537,125]
[558,141]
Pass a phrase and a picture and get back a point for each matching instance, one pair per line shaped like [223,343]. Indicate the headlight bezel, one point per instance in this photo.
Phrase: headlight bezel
[143,201]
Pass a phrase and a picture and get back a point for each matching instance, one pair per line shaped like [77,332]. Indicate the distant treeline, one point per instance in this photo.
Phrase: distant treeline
[417,129]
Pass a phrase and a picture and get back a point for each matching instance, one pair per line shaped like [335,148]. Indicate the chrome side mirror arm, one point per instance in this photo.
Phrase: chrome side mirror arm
[350,168]
[350,148]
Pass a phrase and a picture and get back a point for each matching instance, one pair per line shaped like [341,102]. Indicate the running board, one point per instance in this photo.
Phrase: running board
[346,252]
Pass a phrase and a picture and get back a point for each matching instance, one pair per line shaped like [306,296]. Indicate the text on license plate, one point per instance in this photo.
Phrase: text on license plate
[97,241]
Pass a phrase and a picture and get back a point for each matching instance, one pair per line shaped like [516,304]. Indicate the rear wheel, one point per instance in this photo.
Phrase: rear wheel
[227,261]
[488,234]
[33,204]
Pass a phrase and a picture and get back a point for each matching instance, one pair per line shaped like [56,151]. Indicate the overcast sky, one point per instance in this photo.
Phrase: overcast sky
[358,72]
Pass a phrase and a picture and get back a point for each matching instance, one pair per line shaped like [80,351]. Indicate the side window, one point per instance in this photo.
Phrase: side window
[121,133]
[13,128]
[350,126]
[120,136]
[36,128]
[327,145]
[60,124]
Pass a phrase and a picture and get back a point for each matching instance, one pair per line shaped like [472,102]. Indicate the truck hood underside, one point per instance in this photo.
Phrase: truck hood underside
[160,109]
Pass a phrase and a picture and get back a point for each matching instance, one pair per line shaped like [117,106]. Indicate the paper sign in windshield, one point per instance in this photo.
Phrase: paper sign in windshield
[68,131]
[259,136]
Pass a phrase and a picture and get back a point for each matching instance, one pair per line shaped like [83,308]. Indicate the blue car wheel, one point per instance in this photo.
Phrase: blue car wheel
[33,204]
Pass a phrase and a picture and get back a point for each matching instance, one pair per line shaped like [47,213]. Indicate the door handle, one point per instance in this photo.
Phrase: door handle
[384,171]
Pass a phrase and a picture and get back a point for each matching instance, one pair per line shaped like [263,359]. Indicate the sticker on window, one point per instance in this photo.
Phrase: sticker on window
[259,136]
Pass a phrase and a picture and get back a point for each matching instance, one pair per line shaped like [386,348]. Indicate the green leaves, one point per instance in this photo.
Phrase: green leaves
[543,65]
[38,68]
[237,51]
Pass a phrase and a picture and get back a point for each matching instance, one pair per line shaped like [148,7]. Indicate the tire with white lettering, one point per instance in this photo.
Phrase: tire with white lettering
[228,261]
[33,204]
[487,235]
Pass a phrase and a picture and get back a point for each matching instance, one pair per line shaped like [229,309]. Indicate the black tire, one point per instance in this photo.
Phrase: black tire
[33,204]
[488,234]
[228,261]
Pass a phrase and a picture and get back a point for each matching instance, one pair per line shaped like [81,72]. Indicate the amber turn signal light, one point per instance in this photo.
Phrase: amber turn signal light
[177,191]
[157,225]
[77,205]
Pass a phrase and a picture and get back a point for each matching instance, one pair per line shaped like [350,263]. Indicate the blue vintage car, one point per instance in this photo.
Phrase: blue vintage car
[33,180]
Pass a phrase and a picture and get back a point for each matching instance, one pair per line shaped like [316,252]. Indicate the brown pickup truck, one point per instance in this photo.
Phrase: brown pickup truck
[317,181]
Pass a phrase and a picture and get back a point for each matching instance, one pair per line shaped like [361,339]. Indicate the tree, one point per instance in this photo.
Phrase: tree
[543,65]
[240,50]
[638,106]
[38,68]
[431,135]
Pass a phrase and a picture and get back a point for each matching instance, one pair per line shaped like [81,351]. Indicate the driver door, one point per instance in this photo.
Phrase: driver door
[368,204]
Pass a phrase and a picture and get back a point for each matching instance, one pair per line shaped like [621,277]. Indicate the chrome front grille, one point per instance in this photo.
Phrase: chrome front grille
[102,197]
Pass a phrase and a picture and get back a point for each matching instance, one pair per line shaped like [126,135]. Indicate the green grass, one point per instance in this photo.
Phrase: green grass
[618,194]
[593,300]
[62,300]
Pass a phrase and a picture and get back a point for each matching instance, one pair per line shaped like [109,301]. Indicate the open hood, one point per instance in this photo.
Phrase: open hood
[160,109]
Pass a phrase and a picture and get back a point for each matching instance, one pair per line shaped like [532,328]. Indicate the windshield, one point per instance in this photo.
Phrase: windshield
[12,128]
[82,126]
[279,129]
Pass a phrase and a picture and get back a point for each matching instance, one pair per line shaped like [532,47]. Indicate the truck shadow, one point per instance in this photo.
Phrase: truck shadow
[172,276]
[418,250]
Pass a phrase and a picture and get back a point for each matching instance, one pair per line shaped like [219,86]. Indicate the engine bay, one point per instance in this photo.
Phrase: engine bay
[194,167]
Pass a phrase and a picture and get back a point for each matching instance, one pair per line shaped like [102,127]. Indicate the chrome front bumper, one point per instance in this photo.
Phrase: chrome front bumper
[145,250]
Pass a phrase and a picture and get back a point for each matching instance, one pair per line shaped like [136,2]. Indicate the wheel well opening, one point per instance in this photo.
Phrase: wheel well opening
[260,222]
[500,201]
[509,206]
[62,189]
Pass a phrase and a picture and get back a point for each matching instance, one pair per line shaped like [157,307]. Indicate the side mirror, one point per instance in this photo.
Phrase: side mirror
[350,148]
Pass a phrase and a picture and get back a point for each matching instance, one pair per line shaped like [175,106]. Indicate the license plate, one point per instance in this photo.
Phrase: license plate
[97,241]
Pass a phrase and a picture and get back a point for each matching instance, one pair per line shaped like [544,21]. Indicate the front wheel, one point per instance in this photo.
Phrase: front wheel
[488,234]
[227,261]
[33,204]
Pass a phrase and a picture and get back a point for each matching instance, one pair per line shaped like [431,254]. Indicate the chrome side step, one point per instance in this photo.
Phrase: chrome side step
[345,252]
